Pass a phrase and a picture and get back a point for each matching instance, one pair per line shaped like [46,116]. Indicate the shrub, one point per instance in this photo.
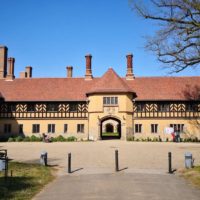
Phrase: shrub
[148,139]
[34,138]
[19,138]
[27,139]
[60,138]
[71,139]
[130,138]
[54,139]
[155,139]
[11,139]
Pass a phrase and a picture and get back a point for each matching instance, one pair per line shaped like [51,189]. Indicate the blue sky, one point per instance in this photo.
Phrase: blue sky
[51,34]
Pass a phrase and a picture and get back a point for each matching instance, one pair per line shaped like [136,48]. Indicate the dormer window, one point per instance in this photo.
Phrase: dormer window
[110,100]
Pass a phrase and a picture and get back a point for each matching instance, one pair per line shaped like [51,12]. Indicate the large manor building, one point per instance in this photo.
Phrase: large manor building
[97,107]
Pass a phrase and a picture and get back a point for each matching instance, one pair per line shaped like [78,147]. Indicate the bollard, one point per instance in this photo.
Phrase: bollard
[43,158]
[69,163]
[188,160]
[116,161]
[170,162]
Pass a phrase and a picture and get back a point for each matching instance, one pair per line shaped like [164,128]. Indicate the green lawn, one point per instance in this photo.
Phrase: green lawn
[110,134]
[192,175]
[27,180]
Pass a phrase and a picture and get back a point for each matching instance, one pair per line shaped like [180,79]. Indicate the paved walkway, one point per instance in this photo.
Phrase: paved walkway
[119,186]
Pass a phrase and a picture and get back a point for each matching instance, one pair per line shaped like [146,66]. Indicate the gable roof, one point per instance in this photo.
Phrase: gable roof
[165,88]
[77,89]
[110,82]
[45,89]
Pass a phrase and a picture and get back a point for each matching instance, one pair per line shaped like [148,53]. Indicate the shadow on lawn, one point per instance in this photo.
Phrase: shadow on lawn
[12,185]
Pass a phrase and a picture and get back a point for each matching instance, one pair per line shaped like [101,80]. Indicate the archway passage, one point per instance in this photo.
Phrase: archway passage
[110,128]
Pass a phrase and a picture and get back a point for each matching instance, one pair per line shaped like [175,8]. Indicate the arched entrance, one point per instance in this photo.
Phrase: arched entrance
[110,128]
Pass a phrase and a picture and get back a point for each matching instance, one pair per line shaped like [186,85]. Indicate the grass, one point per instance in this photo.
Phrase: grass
[192,175]
[27,180]
[110,134]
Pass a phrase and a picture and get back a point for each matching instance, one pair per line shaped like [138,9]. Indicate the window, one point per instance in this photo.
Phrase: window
[191,107]
[154,128]
[30,107]
[35,128]
[177,127]
[80,128]
[21,128]
[140,107]
[51,128]
[73,107]
[138,128]
[7,128]
[110,100]
[11,107]
[65,128]
[163,107]
[52,107]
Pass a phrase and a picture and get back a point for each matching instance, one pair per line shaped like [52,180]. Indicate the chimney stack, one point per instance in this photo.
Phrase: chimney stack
[3,61]
[22,75]
[88,74]
[69,71]
[10,74]
[28,71]
[129,73]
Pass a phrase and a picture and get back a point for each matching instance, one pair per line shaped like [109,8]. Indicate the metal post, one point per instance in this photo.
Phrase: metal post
[69,163]
[170,162]
[116,161]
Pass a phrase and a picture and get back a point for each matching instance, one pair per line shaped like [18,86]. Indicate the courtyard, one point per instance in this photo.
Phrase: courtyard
[143,169]
[98,157]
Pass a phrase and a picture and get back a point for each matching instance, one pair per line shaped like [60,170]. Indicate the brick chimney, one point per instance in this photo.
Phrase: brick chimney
[88,74]
[3,61]
[10,73]
[22,75]
[28,71]
[69,71]
[129,73]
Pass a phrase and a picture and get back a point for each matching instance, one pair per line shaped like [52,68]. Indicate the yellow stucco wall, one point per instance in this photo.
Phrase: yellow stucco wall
[122,111]
[191,127]
[59,127]
[98,112]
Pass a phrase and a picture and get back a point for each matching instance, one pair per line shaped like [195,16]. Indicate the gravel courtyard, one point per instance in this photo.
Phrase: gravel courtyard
[98,157]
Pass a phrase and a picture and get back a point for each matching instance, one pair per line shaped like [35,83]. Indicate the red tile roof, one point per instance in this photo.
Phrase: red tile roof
[45,89]
[110,82]
[165,88]
[75,89]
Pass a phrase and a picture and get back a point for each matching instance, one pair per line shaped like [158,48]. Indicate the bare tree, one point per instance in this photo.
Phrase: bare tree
[177,42]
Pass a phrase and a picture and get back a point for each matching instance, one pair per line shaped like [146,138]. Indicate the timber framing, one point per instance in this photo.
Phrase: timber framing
[47,110]
[166,109]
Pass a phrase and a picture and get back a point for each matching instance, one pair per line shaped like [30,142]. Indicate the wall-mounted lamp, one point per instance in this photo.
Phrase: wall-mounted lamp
[87,100]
